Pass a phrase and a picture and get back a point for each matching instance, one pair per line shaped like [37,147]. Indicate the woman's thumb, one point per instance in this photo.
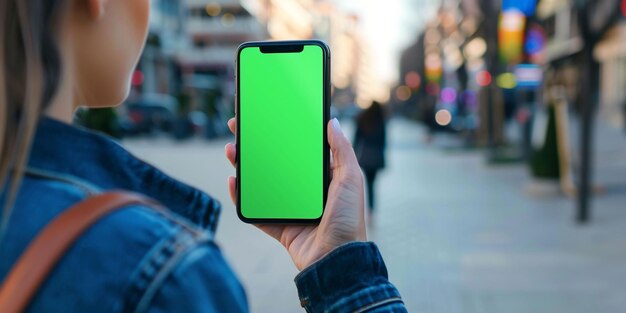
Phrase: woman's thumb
[343,155]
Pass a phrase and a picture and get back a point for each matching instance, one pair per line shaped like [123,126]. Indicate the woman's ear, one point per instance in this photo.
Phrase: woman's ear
[95,8]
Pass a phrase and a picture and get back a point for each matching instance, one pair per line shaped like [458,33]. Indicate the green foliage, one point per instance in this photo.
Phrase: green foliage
[104,120]
[544,163]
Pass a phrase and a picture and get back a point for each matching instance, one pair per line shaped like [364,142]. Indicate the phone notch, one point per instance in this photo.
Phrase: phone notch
[287,48]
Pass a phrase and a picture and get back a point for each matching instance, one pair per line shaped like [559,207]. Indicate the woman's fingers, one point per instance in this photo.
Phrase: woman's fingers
[343,155]
[232,125]
[231,149]
[231,153]
[232,189]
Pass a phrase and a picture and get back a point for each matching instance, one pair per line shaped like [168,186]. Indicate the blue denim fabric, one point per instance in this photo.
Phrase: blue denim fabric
[139,260]
[351,278]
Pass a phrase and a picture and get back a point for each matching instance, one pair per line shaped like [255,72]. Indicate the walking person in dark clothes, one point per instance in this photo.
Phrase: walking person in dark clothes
[369,145]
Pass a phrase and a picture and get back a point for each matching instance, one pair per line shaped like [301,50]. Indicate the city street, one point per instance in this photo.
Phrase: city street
[457,235]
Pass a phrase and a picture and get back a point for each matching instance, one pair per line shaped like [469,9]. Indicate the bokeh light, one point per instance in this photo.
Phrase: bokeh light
[475,49]
[363,104]
[470,98]
[483,78]
[137,78]
[453,56]
[535,40]
[228,20]
[506,81]
[413,80]
[443,117]
[213,9]
[434,67]
[432,37]
[448,95]
[511,35]
[403,93]
[433,61]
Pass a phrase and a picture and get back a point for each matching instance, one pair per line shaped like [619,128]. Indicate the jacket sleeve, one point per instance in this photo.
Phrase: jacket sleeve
[201,282]
[351,278]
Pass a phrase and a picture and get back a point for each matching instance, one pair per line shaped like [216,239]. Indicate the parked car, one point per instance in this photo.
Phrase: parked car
[150,113]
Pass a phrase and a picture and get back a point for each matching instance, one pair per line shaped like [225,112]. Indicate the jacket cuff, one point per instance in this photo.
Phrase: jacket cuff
[351,278]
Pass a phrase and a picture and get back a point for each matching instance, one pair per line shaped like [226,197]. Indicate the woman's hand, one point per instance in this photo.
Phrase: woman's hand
[343,220]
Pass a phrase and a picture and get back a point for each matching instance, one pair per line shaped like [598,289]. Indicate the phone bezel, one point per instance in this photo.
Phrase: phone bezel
[289,44]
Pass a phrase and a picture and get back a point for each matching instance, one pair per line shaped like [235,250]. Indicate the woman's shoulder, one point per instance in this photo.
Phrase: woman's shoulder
[123,257]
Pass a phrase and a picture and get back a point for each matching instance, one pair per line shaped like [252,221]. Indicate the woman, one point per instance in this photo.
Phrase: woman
[56,55]
[369,144]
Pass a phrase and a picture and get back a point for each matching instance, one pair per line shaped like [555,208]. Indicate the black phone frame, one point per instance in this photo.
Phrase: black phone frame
[286,46]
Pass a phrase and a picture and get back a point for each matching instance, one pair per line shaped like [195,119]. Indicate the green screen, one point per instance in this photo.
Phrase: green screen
[281,135]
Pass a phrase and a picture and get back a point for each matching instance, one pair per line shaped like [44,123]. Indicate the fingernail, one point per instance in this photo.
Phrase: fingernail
[336,125]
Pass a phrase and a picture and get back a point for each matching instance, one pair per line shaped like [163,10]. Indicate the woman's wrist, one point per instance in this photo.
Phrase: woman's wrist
[323,253]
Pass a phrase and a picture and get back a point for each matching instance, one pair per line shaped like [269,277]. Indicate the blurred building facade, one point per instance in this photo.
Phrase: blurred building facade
[192,44]
[481,68]
[466,48]
[157,69]
[561,20]
[352,74]
[214,30]
[443,72]
[190,56]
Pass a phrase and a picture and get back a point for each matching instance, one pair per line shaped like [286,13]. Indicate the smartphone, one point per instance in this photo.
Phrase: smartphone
[282,108]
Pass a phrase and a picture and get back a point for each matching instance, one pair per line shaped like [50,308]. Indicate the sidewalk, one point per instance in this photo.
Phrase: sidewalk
[457,235]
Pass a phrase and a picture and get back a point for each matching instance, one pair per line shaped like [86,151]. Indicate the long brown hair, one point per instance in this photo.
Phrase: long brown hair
[30,70]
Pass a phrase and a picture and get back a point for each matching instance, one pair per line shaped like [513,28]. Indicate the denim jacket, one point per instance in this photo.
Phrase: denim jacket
[136,260]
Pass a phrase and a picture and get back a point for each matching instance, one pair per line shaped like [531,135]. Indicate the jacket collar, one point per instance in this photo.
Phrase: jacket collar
[93,161]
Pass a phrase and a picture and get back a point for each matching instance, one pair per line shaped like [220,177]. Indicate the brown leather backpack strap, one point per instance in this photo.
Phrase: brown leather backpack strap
[47,248]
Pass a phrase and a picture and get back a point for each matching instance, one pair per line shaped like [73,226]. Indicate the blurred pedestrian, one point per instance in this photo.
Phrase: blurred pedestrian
[60,181]
[369,144]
